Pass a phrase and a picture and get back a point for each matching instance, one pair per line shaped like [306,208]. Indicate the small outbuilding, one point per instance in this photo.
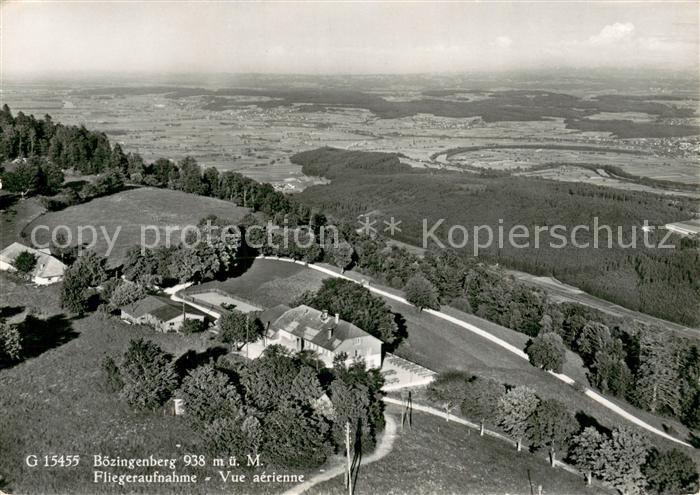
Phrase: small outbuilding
[161,313]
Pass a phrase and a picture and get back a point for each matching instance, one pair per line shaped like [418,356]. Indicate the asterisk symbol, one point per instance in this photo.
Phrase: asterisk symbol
[367,225]
[392,226]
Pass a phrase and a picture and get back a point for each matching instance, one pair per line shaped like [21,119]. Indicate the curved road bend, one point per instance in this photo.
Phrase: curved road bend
[500,342]
[386,443]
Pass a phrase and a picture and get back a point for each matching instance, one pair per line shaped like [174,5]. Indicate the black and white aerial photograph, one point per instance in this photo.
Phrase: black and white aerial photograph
[349,247]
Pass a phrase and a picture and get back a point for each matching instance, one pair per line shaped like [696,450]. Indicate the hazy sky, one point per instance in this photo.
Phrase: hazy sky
[378,37]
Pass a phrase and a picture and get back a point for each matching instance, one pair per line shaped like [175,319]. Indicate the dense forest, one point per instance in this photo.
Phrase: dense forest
[85,151]
[656,281]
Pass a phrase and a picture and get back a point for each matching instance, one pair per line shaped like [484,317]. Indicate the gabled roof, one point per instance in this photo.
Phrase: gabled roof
[268,316]
[46,265]
[159,307]
[308,323]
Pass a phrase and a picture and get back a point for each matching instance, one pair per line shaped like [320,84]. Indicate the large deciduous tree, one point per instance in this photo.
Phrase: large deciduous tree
[355,304]
[125,293]
[295,438]
[481,397]
[514,411]
[148,374]
[547,352]
[208,394]
[25,262]
[551,426]
[449,389]
[585,451]
[239,328]
[421,292]
[340,254]
[622,457]
[670,472]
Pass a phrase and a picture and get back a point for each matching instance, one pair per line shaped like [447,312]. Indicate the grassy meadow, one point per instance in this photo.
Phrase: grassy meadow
[130,210]
[440,457]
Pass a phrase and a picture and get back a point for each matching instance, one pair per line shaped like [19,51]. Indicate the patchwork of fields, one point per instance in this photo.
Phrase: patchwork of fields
[255,131]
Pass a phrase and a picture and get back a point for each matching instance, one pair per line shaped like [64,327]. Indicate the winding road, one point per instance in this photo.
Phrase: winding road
[499,342]
[386,443]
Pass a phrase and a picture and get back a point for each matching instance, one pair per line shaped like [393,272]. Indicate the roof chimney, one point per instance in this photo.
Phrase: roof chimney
[324,315]
[337,318]
[330,333]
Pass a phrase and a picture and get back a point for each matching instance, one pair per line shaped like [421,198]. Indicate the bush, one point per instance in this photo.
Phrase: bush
[110,375]
[10,343]
[193,326]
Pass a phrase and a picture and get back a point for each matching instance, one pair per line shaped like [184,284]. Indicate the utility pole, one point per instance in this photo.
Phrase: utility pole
[348,474]
[184,316]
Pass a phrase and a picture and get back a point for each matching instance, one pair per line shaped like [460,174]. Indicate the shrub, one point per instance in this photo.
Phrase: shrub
[10,343]
[193,326]
[110,375]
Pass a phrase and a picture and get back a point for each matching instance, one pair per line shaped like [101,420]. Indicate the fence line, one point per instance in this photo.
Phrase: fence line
[457,419]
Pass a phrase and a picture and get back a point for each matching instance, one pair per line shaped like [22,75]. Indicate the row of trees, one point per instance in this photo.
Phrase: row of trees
[620,458]
[655,281]
[205,254]
[250,406]
[355,304]
[644,364]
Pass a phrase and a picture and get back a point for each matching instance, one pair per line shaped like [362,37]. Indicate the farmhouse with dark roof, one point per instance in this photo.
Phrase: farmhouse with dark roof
[307,329]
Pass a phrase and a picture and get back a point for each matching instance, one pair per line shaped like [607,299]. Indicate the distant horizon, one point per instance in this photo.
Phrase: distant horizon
[359,39]
[439,79]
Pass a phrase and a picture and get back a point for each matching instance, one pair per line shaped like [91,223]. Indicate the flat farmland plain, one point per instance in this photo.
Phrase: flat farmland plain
[255,134]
